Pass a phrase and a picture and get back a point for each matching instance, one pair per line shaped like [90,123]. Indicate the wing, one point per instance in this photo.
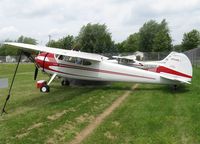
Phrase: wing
[124,57]
[71,53]
[174,78]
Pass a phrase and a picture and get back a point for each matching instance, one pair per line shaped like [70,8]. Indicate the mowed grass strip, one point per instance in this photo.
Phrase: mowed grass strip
[154,114]
[100,118]
[56,117]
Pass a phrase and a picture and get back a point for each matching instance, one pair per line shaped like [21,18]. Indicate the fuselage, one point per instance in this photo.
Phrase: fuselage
[75,68]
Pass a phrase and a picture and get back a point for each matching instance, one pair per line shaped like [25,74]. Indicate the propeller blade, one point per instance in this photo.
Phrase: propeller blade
[36,73]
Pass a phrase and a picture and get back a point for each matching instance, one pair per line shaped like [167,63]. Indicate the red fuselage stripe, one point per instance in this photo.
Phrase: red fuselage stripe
[48,64]
[102,71]
[72,74]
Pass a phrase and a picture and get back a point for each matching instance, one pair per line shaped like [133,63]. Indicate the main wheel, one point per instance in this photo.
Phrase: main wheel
[175,87]
[65,82]
[45,89]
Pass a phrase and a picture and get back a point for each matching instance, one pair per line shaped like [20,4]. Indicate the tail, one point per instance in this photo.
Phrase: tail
[176,66]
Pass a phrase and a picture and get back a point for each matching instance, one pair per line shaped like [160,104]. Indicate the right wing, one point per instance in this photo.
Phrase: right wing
[71,53]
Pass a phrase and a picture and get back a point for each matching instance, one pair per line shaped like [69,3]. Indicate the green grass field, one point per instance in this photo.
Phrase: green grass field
[154,114]
[151,114]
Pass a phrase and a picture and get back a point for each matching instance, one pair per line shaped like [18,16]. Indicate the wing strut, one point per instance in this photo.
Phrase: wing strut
[13,79]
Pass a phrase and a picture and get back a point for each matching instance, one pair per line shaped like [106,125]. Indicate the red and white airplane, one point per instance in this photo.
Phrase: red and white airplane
[175,69]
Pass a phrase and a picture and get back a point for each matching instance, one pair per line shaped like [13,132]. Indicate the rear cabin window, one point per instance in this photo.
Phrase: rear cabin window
[125,61]
[86,62]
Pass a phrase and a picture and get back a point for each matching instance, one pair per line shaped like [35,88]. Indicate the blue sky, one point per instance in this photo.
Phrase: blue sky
[57,18]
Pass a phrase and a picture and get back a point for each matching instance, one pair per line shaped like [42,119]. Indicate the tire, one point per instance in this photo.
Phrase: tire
[175,87]
[65,83]
[45,89]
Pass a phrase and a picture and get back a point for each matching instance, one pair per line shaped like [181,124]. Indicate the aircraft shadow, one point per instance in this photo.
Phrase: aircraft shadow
[165,88]
[56,94]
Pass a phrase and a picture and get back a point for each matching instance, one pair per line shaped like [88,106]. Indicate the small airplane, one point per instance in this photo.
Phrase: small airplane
[175,69]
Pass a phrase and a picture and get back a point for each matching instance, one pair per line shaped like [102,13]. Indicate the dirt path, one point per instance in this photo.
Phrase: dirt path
[99,119]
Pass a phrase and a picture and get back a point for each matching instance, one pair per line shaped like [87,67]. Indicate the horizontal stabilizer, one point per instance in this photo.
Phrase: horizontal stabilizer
[174,78]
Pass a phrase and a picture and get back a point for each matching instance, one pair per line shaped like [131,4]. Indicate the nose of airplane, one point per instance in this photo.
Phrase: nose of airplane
[38,60]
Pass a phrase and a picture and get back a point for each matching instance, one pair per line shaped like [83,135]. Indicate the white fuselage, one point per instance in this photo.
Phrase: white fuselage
[101,71]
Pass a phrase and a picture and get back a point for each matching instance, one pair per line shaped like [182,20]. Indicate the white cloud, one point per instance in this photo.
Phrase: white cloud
[9,32]
[38,19]
[8,29]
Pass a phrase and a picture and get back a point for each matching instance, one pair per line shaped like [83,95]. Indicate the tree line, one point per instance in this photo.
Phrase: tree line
[96,38]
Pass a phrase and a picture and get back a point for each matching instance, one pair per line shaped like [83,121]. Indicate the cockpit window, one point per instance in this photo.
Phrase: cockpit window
[70,59]
[60,57]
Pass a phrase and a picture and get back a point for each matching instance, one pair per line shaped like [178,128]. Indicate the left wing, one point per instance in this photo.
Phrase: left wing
[71,53]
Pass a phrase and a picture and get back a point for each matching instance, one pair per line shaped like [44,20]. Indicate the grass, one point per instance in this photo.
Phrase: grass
[154,114]
[151,114]
[55,117]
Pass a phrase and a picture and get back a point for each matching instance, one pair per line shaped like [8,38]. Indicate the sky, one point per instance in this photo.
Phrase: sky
[58,18]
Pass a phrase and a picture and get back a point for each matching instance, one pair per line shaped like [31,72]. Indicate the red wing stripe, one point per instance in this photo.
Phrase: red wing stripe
[171,71]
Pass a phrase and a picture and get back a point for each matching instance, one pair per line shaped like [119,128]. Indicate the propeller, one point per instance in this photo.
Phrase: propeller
[36,73]
[33,60]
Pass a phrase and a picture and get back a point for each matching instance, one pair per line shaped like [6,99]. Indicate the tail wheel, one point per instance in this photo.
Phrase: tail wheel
[45,89]
[175,87]
[65,83]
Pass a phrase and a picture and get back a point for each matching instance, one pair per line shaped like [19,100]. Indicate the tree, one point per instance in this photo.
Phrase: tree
[132,43]
[54,43]
[12,50]
[27,40]
[7,49]
[66,42]
[120,47]
[162,40]
[95,38]
[178,48]
[147,33]
[155,37]
[191,40]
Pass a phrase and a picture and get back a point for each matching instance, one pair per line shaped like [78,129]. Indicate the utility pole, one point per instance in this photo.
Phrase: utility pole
[49,37]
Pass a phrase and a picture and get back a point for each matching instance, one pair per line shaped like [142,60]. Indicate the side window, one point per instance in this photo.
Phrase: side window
[86,62]
[79,61]
[74,60]
[126,61]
